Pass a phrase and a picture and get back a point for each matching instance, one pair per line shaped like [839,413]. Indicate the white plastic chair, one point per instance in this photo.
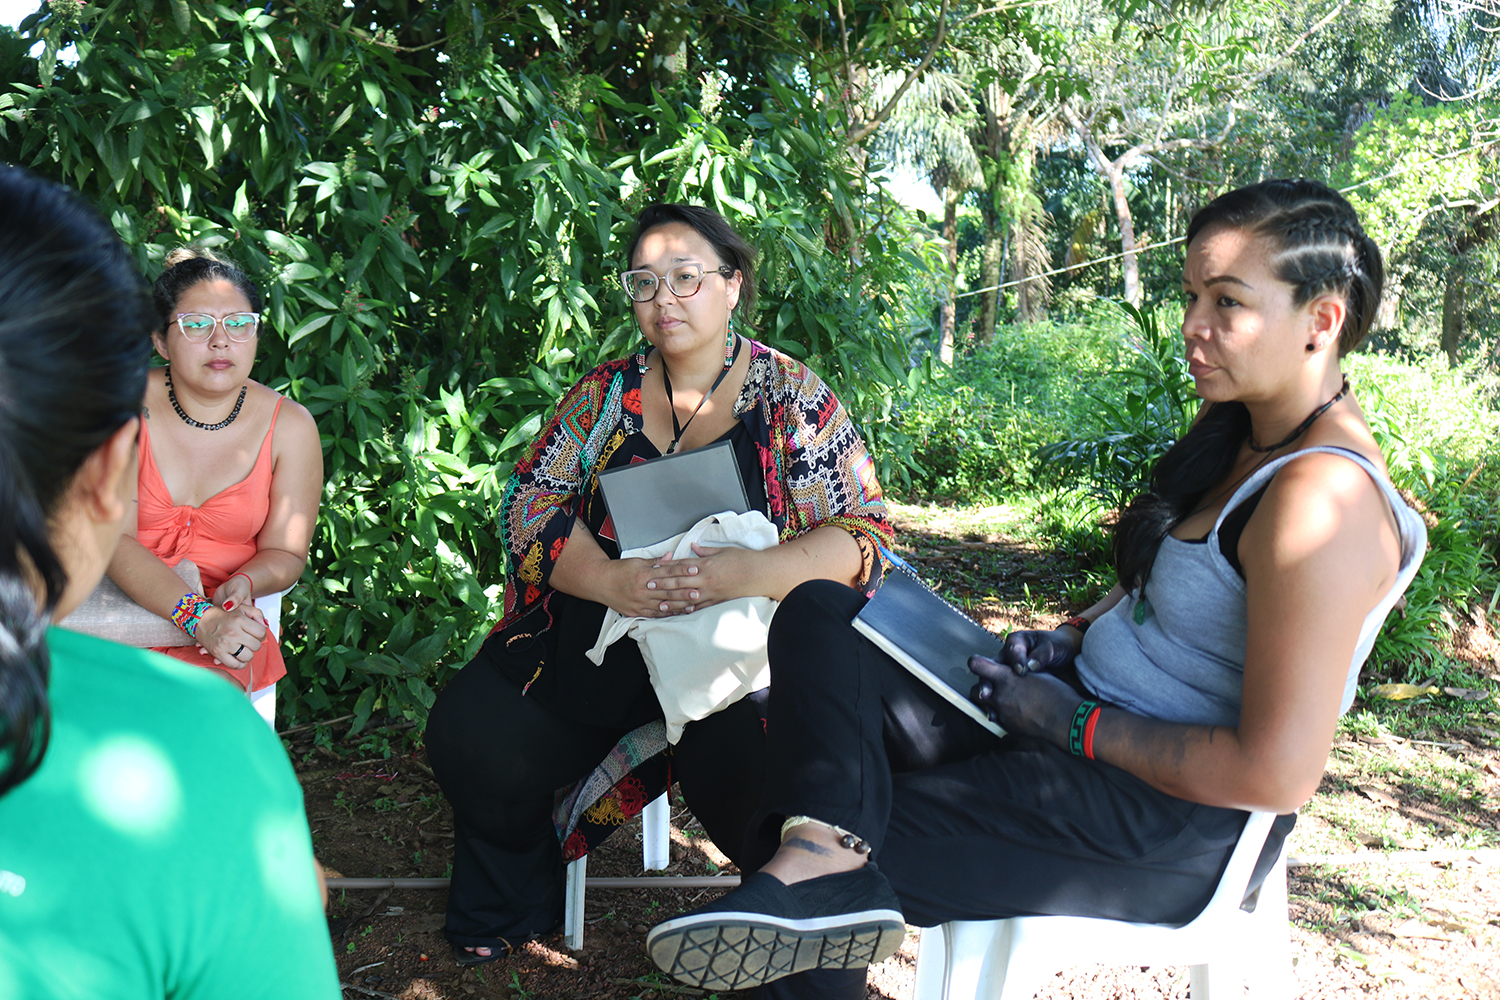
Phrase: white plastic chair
[1224,945]
[656,854]
[264,700]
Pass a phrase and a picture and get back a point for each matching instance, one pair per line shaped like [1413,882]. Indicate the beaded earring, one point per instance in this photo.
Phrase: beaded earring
[729,344]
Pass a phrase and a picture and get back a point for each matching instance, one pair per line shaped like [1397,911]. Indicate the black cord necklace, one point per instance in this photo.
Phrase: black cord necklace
[666,383]
[172,398]
[1302,427]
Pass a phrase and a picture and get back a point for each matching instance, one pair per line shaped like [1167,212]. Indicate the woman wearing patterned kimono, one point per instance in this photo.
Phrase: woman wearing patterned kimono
[530,715]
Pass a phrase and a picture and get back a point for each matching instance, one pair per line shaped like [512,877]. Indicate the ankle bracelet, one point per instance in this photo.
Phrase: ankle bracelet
[847,840]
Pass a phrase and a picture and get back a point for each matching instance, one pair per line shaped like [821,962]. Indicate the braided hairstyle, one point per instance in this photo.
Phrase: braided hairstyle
[186,267]
[75,324]
[1317,247]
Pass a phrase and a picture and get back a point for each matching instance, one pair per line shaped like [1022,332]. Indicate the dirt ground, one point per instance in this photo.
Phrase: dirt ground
[1374,931]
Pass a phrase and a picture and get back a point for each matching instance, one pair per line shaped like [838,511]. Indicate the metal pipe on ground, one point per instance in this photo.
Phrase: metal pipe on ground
[659,881]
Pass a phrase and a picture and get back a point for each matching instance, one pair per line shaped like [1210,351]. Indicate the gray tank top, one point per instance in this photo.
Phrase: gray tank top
[1184,659]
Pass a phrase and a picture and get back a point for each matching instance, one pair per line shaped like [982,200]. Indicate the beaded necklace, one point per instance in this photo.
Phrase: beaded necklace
[172,398]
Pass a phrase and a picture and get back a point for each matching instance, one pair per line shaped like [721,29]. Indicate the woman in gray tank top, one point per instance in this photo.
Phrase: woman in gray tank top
[1253,579]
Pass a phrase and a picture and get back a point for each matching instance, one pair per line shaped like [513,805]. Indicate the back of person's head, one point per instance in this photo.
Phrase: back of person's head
[1317,242]
[75,324]
[186,267]
[713,227]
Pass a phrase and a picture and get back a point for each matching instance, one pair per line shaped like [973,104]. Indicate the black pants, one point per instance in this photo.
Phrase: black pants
[500,757]
[965,826]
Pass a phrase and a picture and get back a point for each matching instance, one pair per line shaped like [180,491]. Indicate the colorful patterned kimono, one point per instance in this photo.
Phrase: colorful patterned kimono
[816,472]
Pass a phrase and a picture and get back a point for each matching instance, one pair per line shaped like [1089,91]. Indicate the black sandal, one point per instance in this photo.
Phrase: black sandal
[463,957]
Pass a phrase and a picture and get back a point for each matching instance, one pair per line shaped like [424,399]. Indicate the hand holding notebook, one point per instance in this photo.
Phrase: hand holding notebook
[929,637]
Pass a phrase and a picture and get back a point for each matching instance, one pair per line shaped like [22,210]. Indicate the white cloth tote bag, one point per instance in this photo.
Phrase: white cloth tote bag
[704,661]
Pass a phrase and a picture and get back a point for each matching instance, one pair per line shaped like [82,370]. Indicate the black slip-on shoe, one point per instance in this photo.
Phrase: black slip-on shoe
[765,930]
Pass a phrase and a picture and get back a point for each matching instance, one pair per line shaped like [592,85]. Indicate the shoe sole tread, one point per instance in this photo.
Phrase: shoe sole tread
[735,951]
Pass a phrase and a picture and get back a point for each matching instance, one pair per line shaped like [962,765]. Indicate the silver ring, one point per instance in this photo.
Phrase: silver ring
[237,652]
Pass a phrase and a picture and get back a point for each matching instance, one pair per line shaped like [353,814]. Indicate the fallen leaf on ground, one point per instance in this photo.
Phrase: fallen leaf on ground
[1467,694]
[1400,692]
[1377,794]
[1417,928]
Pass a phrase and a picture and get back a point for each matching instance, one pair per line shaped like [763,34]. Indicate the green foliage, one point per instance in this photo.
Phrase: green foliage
[437,240]
[1437,429]
[1133,428]
[1396,146]
[973,429]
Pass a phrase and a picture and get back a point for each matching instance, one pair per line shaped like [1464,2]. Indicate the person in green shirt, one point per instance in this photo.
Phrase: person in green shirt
[153,842]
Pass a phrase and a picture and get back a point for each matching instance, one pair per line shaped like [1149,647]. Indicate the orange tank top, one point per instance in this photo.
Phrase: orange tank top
[219,536]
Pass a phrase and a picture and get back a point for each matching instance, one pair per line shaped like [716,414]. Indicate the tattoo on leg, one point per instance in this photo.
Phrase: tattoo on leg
[803,844]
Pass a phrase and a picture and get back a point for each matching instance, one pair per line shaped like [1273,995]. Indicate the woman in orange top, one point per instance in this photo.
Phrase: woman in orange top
[230,476]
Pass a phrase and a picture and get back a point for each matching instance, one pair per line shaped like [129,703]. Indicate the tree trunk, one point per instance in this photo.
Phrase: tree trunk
[989,302]
[1128,265]
[1453,313]
[1114,173]
[950,305]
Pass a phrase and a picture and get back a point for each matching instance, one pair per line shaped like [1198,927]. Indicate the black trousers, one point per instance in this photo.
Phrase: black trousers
[965,826]
[500,757]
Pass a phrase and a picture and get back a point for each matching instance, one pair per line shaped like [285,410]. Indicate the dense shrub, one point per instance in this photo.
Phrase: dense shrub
[974,428]
[439,255]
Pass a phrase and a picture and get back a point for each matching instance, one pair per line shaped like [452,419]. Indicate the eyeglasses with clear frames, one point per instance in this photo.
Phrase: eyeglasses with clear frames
[238,327]
[682,281]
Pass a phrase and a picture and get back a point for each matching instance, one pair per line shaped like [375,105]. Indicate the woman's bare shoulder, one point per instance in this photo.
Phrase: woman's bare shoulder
[294,423]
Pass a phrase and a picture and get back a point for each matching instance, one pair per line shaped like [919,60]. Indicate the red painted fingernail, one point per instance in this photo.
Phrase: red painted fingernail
[228,605]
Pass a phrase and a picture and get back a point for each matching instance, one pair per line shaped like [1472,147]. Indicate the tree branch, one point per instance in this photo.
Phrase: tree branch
[862,133]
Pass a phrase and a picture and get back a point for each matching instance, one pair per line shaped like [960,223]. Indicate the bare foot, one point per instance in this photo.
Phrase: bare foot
[808,851]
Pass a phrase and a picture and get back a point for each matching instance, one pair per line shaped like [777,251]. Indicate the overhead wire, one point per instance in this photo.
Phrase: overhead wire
[1179,239]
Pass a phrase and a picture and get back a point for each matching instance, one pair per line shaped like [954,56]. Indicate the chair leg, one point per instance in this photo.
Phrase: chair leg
[656,834]
[573,903]
[932,964]
[1270,976]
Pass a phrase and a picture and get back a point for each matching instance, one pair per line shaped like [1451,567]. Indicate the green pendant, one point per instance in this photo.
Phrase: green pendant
[1141,611]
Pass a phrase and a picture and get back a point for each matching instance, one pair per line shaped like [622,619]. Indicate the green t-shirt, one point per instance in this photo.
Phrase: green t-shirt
[161,850]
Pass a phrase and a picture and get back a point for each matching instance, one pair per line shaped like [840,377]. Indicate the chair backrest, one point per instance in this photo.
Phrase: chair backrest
[270,606]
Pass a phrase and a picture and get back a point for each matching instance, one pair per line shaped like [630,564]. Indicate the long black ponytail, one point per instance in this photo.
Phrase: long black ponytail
[75,324]
[1318,247]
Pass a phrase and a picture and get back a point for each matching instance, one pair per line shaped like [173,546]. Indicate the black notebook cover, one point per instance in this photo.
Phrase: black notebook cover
[653,500]
[929,637]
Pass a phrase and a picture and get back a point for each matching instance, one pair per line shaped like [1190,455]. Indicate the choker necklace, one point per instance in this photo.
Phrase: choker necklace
[666,383]
[1302,427]
[172,398]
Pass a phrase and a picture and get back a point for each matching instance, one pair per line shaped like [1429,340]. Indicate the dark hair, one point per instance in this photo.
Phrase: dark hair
[727,243]
[1318,247]
[186,267]
[75,325]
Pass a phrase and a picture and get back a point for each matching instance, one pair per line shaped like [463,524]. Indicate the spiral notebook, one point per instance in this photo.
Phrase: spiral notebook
[929,637]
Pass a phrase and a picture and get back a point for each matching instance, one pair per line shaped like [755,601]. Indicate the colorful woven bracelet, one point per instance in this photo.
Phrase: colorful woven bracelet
[1088,731]
[1079,622]
[1081,716]
[188,612]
